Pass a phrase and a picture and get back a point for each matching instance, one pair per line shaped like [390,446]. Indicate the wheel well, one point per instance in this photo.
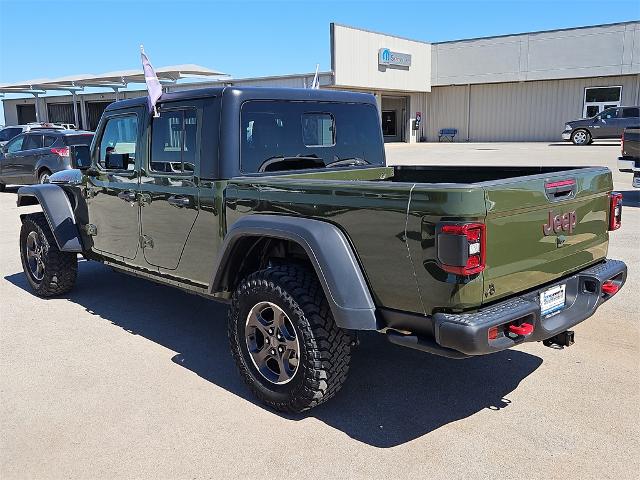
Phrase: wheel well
[43,169]
[253,253]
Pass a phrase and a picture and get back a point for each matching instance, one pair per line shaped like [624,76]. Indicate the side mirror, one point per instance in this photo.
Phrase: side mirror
[116,161]
[80,156]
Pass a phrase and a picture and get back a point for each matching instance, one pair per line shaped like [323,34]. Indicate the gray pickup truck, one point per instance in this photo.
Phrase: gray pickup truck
[609,123]
[629,160]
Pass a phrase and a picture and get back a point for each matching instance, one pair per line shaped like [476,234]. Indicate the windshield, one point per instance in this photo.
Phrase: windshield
[287,135]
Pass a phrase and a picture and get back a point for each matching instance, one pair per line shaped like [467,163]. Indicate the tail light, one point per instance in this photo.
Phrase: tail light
[61,152]
[610,287]
[615,212]
[462,248]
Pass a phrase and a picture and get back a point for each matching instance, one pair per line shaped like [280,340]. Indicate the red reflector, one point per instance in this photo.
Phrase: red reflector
[493,333]
[615,212]
[63,152]
[560,183]
[524,329]
[610,287]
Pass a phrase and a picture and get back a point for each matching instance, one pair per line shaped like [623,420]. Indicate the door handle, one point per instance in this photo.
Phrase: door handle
[127,196]
[178,201]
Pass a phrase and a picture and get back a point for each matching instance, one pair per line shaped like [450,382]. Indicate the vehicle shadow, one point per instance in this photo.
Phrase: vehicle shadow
[595,143]
[393,394]
[630,198]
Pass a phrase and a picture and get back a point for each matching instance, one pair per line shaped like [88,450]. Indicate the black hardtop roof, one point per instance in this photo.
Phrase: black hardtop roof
[255,93]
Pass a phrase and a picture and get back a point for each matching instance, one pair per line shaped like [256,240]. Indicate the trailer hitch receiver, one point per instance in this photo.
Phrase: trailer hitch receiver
[564,339]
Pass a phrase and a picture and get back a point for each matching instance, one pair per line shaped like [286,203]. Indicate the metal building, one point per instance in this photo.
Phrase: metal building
[520,87]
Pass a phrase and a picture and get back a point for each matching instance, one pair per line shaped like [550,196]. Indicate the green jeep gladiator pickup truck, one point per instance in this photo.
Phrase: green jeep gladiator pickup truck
[279,202]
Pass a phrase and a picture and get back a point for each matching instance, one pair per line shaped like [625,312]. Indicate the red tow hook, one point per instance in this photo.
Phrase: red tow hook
[524,329]
[610,287]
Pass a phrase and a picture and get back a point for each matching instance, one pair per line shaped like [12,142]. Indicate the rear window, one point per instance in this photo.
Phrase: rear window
[7,134]
[289,135]
[78,139]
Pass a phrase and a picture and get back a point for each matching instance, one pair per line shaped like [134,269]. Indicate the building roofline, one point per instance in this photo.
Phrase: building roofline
[584,27]
[380,33]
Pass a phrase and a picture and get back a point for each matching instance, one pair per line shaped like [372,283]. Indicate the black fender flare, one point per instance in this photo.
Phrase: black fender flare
[58,212]
[330,253]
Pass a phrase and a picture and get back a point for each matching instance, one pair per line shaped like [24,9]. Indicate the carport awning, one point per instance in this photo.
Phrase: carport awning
[119,79]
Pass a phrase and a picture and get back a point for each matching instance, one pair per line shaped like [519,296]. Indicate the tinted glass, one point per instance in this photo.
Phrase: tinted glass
[32,142]
[281,135]
[606,94]
[8,133]
[630,112]
[608,114]
[49,140]
[78,139]
[119,136]
[15,145]
[174,142]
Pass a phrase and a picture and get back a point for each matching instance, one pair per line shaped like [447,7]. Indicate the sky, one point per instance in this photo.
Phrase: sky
[51,38]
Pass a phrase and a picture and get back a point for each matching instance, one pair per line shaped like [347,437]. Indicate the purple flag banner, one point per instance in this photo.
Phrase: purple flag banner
[153,84]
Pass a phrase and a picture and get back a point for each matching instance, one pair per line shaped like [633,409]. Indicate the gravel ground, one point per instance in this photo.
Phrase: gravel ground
[126,379]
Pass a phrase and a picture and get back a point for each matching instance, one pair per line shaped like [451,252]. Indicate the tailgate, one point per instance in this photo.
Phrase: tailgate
[542,227]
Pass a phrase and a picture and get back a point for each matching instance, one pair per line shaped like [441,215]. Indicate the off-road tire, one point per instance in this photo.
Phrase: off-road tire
[60,268]
[578,135]
[325,349]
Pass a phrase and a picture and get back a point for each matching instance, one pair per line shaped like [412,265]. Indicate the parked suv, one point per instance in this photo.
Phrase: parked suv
[7,133]
[32,157]
[609,123]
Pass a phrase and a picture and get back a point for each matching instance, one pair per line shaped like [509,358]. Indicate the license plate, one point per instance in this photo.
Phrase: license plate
[552,300]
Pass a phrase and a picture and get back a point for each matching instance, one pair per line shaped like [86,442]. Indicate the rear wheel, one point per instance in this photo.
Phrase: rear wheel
[49,271]
[581,137]
[284,339]
[44,176]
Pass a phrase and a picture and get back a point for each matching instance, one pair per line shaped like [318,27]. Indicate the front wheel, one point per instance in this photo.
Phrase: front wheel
[284,340]
[49,271]
[581,137]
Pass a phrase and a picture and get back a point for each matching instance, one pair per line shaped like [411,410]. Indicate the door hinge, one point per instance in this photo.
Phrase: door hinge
[90,229]
[146,241]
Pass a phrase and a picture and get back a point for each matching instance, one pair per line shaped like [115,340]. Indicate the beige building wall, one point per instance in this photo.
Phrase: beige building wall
[517,111]
[354,61]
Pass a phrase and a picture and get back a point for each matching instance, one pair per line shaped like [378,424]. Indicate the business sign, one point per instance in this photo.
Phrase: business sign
[388,58]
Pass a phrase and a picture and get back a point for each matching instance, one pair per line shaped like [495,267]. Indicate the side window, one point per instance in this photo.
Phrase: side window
[174,141]
[118,143]
[15,145]
[33,141]
[49,140]
[631,112]
[608,114]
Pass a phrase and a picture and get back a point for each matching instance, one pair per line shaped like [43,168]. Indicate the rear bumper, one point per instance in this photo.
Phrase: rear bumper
[628,165]
[467,334]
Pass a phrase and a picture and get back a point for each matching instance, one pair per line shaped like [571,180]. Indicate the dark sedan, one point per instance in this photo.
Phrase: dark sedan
[609,123]
[33,156]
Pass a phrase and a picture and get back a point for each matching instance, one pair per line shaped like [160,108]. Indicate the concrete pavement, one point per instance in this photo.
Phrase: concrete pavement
[123,378]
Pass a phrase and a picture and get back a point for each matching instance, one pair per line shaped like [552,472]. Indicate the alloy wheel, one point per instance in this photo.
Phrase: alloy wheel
[272,343]
[35,254]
